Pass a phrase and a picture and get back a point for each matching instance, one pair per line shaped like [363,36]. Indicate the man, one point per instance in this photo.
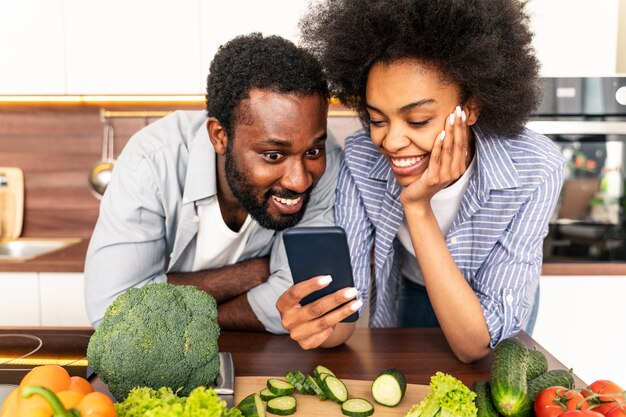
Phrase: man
[197,200]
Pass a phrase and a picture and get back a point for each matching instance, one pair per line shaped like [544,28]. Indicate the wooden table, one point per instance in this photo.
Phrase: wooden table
[418,353]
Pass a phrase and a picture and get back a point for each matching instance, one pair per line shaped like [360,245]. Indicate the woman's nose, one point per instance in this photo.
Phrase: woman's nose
[395,139]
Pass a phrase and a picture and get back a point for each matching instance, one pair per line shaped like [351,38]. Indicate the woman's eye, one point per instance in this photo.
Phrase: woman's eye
[418,124]
[273,156]
[376,123]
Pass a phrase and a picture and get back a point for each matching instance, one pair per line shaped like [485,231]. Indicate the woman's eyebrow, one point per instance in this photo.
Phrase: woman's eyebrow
[406,107]
[419,103]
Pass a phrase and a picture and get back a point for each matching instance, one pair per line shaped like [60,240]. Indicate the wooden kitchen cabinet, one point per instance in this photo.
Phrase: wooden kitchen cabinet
[581,321]
[19,299]
[62,300]
[31,47]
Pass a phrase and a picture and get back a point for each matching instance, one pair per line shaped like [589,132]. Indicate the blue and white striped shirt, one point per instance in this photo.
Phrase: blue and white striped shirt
[496,238]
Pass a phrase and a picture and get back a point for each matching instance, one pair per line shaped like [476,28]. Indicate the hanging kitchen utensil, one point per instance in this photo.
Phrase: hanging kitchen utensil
[100,174]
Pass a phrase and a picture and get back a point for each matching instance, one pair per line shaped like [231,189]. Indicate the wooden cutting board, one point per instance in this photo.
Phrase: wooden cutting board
[311,406]
[11,203]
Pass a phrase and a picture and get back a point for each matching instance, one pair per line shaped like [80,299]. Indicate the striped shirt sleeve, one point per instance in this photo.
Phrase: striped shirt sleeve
[509,277]
[350,214]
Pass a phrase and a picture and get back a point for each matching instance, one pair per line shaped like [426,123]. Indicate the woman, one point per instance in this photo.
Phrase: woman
[454,194]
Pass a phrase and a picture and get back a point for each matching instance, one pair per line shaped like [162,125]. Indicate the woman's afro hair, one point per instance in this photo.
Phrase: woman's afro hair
[483,46]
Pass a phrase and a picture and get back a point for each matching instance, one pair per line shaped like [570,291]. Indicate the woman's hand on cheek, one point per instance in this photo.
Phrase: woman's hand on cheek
[447,161]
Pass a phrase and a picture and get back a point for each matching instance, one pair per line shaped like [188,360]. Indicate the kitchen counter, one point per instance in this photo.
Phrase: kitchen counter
[72,259]
[418,353]
[68,259]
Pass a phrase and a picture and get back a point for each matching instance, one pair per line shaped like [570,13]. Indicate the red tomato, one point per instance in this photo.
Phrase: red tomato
[619,411]
[554,401]
[605,403]
[581,413]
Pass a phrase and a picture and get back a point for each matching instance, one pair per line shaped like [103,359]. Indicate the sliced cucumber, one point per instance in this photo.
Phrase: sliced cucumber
[302,381]
[282,406]
[357,407]
[334,389]
[316,388]
[320,369]
[252,406]
[293,380]
[320,379]
[266,394]
[280,387]
[389,387]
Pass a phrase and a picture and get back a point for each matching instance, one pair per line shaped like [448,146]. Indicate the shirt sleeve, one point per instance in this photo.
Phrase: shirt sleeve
[127,248]
[350,214]
[507,282]
[319,212]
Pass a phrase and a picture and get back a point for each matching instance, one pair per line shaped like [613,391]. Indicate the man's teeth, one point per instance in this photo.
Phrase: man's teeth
[405,162]
[287,201]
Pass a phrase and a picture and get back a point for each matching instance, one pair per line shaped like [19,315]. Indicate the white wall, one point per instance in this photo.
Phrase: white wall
[581,322]
[165,46]
[575,38]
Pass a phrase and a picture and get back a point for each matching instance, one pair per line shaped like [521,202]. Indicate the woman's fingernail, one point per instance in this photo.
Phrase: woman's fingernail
[458,111]
[325,280]
[350,293]
[451,119]
[463,116]
[442,135]
[356,305]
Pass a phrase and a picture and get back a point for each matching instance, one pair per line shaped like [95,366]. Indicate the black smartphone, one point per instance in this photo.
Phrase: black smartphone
[313,251]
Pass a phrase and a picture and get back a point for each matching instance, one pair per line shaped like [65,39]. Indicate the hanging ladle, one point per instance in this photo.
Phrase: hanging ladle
[100,174]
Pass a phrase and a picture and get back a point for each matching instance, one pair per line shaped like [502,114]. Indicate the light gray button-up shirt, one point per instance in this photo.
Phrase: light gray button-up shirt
[146,226]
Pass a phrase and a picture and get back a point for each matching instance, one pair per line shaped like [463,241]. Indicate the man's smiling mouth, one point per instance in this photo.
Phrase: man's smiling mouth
[287,201]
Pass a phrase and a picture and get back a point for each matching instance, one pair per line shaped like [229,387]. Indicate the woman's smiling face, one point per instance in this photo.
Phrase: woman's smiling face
[408,105]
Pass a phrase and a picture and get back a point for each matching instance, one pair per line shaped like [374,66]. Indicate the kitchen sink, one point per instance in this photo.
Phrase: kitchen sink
[28,248]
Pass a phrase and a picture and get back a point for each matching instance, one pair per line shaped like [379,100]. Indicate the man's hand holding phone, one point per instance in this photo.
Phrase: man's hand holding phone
[319,322]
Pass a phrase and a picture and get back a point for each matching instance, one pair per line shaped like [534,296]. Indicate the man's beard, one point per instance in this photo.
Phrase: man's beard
[257,205]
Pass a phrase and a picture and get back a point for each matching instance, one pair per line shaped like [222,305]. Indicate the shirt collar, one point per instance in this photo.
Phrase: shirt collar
[201,178]
[495,169]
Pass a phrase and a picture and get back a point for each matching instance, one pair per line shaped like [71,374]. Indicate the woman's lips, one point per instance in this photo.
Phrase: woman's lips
[288,205]
[408,165]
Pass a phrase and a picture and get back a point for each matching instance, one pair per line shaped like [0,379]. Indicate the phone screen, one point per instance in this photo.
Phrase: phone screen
[313,251]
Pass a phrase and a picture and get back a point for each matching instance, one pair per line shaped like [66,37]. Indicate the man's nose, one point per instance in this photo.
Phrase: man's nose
[296,177]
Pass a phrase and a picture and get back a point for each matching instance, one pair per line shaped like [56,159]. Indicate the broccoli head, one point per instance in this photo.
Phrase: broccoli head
[160,335]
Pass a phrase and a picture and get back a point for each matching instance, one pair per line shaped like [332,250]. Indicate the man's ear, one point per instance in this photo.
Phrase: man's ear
[472,109]
[217,135]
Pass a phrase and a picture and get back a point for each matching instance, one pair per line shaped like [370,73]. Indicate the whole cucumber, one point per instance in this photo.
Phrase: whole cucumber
[537,364]
[483,399]
[509,365]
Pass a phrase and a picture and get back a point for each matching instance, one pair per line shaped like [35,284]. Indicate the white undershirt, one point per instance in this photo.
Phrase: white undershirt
[445,205]
[217,245]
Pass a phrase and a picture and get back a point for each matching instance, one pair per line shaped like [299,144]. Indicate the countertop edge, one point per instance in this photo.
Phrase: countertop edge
[72,259]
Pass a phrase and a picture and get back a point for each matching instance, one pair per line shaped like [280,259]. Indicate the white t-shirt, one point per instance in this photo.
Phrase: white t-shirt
[217,245]
[445,205]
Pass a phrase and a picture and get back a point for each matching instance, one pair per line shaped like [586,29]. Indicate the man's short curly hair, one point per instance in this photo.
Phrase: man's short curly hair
[483,46]
[253,61]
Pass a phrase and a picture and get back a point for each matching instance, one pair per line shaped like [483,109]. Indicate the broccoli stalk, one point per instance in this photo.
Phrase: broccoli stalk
[160,335]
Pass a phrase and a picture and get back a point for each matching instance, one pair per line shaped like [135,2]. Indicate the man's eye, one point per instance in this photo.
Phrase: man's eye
[273,156]
[314,152]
